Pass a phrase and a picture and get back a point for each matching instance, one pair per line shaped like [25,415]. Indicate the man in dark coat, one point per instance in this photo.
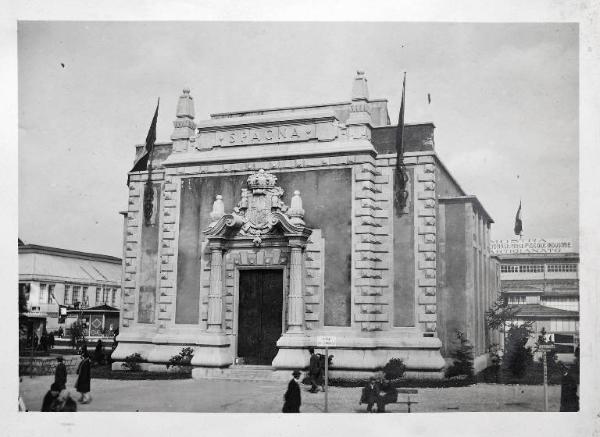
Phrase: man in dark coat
[83,380]
[51,398]
[292,395]
[60,374]
[371,395]
[569,401]
[314,370]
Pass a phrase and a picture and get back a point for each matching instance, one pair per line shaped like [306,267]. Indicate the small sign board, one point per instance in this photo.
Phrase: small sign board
[546,347]
[325,341]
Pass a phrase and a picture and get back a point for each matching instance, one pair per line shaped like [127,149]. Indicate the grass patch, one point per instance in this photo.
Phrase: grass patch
[105,372]
[534,375]
[406,382]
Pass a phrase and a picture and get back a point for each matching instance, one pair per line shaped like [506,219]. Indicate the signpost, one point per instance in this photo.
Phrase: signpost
[545,348]
[326,341]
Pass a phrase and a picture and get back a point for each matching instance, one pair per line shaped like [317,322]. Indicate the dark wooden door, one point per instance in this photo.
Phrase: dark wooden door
[259,315]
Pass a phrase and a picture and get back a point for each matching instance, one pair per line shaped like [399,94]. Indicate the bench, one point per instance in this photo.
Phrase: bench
[402,391]
[407,392]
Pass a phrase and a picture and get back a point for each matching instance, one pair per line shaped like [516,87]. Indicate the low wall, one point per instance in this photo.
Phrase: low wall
[45,365]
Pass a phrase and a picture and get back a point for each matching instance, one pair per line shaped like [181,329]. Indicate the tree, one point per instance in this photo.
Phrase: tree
[463,357]
[518,357]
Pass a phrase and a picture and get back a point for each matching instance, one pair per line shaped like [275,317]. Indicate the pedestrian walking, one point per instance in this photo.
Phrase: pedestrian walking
[44,341]
[314,370]
[82,385]
[99,352]
[291,397]
[569,400]
[60,374]
[51,340]
[51,398]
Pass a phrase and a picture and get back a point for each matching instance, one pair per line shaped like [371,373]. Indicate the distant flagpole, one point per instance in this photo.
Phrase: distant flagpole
[148,189]
[400,177]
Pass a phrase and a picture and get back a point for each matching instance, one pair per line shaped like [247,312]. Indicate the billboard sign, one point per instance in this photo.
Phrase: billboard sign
[531,245]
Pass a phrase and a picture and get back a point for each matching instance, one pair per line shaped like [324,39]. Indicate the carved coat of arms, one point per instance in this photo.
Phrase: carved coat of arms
[259,209]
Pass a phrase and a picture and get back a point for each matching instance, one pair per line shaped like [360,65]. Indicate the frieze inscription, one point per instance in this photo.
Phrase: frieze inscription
[262,135]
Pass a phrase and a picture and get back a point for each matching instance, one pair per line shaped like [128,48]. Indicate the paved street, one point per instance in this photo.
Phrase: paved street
[248,396]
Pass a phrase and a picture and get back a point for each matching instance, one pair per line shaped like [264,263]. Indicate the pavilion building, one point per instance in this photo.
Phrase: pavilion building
[266,229]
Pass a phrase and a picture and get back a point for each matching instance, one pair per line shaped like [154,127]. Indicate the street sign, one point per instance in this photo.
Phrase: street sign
[325,341]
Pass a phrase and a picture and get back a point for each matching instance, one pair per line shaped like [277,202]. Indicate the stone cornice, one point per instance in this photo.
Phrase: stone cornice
[270,151]
[264,120]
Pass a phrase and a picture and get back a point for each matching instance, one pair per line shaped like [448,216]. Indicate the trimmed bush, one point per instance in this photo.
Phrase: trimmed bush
[394,369]
[132,362]
[517,358]
[184,358]
[463,357]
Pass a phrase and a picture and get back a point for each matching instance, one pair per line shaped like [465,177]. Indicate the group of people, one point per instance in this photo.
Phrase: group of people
[43,343]
[58,397]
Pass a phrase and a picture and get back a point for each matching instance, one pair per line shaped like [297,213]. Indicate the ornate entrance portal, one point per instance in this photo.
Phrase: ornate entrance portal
[260,315]
[260,223]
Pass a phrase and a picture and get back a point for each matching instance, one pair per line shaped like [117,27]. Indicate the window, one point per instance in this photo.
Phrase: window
[43,293]
[559,325]
[562,303]
[516,300]
[114,297]
[76,290]
[98,295]
[51,293]
[531,268]
[84,296]
[105,292]
[556,268]
[67,299]
[522,268]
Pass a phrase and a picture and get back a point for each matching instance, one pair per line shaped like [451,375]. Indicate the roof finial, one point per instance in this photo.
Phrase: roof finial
[360,91]
[185,106]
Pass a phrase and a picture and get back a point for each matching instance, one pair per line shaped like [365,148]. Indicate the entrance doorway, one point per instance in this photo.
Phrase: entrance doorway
[260,312]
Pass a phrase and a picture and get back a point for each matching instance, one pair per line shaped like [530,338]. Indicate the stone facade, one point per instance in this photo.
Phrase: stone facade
[353,266]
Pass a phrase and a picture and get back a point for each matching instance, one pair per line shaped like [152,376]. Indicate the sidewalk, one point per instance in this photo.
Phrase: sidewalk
[190,395]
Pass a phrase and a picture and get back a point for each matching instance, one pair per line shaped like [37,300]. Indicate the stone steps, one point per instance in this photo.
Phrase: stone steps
[242,373]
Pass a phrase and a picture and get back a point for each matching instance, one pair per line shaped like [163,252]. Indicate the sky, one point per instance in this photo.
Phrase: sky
[504,99]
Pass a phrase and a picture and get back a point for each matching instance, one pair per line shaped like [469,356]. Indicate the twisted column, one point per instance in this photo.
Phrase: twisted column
[215,294]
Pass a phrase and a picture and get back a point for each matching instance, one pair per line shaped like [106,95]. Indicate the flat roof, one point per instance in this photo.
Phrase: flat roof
[468,198]
[285,108]
[35,248]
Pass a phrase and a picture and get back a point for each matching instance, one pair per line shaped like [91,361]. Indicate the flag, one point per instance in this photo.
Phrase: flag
[400,178]
[148,189]
[429,98]
[151,137]
[518,222]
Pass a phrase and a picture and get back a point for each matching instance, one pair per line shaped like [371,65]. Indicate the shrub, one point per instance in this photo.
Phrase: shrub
[463,357]
[394,369]
[184,358]
[132,362]
[517,358]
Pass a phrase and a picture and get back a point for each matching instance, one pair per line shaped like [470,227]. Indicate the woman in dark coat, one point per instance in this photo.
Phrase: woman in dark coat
[569,401]
[292,395]
[83,380]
